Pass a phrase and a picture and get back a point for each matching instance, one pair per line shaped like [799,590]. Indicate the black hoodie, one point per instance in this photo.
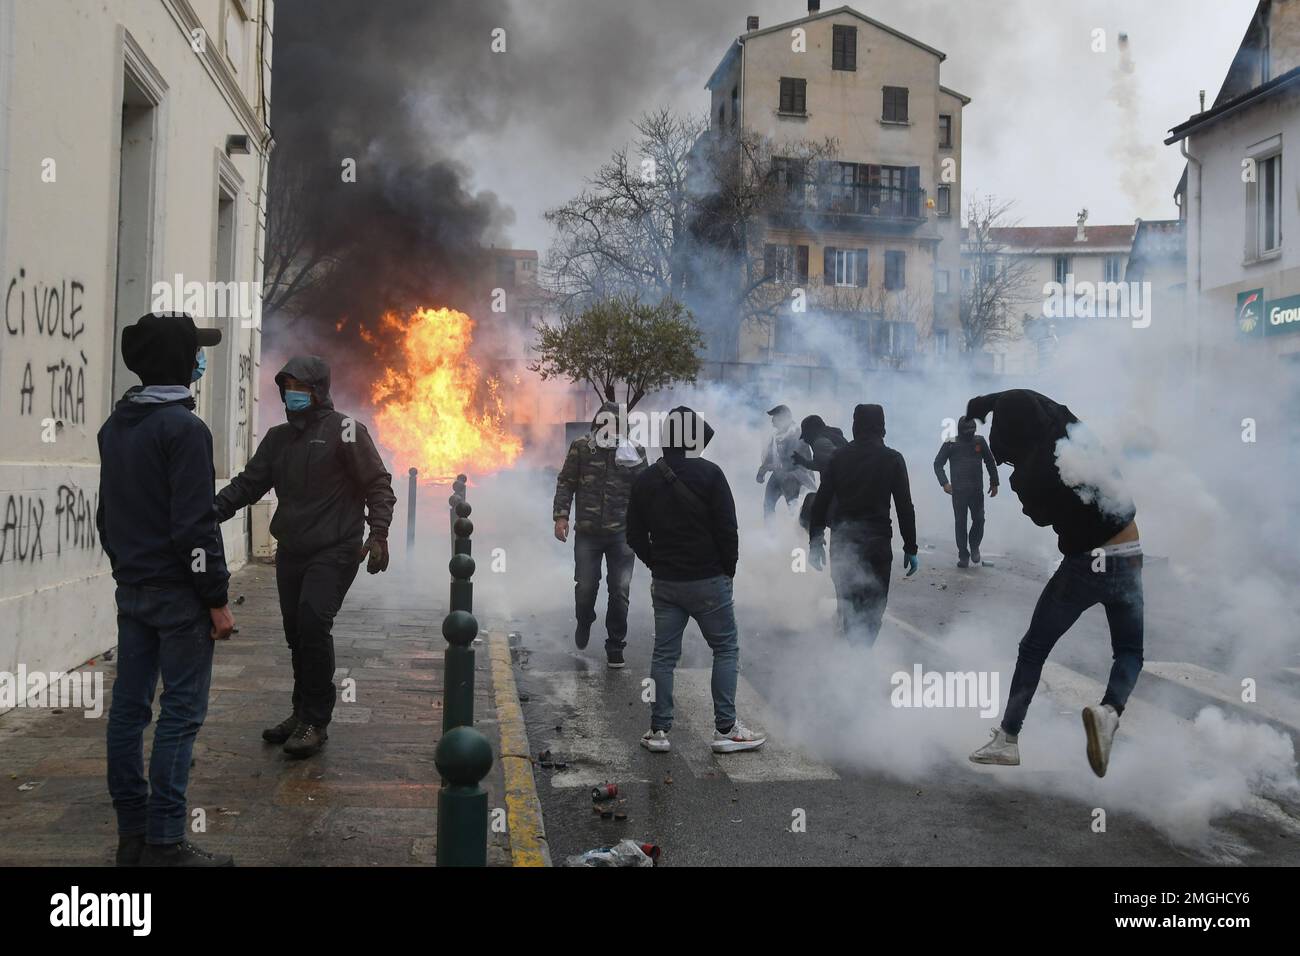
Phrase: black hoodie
[326,472]
[861,479]
[1025,431]
[678,538]
[156,478]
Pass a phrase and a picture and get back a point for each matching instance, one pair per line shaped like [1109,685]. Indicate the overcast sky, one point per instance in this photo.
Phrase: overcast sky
[1048,126]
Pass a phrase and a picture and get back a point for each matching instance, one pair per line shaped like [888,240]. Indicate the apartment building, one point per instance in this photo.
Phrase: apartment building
[871,232]
[133,145]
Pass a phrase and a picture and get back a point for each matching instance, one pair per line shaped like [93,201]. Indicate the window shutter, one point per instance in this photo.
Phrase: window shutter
[769,261]
[787,96]
[900,104]
[851,48]
[801,258]
[860,268]
[828,265]
[801,96]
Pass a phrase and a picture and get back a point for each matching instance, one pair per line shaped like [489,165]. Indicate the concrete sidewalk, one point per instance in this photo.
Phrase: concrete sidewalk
[368,798]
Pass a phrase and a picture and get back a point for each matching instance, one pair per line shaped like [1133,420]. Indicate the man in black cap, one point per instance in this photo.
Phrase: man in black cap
[1063,478]
[965,454]
[784,476]
[158,529]
[861,478]
[329,482]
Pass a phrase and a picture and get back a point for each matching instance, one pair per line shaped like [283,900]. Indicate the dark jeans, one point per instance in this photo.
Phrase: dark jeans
[778,487]
[860,566]
[167,632]
[588,549]
[1073,589]
[709,602]
[312,588]
[962,502]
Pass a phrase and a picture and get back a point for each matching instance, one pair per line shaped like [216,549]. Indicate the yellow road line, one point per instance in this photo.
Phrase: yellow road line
[528,846]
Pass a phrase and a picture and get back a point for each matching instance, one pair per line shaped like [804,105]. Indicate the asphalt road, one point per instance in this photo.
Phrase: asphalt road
[847,778]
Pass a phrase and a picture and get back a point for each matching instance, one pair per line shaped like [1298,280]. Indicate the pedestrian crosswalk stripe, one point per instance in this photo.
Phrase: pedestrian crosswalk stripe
[1279,708]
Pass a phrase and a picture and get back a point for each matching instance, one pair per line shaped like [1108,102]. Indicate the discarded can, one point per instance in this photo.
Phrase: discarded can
[624,853]
[606,791]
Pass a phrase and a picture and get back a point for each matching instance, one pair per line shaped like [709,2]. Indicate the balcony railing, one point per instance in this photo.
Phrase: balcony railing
[868,201]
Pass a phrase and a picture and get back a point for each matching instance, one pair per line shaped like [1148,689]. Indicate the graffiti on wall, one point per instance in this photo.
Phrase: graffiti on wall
[36,526]
[48,311]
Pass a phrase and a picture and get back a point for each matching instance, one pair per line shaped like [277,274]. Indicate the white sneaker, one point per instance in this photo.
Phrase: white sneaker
[656,741]
[740,738]
[1100,723]
[1002,750]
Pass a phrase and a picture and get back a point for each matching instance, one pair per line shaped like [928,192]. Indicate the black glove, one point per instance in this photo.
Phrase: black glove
[376,548]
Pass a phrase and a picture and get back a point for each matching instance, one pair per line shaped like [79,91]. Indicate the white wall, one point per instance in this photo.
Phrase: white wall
[61,117]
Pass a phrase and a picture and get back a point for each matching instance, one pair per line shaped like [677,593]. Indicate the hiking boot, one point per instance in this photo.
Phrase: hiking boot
[1002,750]
[306,740]
[614,657]
[184,853]
[656,741]
[281,731]
[1100,724]
[582,635]
[974,555]
[963,562]
[738,738]
[129,849]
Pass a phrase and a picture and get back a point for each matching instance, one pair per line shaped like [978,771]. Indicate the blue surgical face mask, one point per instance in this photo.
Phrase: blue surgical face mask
[297,401]
[202,367]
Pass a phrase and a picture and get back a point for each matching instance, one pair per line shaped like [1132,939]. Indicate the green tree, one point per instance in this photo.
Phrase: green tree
[621,341]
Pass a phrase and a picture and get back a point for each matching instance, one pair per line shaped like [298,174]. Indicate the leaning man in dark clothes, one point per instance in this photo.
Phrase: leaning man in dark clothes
[157,527]
[681,522]
[1102,563]
[329,481]
[964,455]
[861,478]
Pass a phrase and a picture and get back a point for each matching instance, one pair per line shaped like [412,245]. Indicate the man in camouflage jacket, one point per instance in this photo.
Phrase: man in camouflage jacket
[599,470]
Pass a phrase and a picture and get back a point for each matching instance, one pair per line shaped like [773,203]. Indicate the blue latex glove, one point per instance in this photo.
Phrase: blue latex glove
[912,563]
[817,553]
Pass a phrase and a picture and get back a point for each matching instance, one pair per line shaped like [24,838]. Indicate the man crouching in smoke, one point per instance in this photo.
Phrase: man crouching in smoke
[861,478]
[1102,565]
[329,480]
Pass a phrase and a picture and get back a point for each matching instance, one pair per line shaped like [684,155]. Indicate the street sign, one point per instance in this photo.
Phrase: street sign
[1257,317]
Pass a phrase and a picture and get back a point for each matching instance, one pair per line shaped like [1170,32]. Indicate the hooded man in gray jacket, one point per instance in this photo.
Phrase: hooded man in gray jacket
[329,482]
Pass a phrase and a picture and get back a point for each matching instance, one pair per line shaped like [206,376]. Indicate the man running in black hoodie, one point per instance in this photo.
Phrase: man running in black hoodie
[861,478]
[681,522]
[329,481]
[157,527]
[965,455]
[1102,561]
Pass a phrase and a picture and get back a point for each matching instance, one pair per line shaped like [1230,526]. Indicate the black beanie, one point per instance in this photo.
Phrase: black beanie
[868,420]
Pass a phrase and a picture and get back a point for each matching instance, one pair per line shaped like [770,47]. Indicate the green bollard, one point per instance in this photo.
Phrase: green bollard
[463,757]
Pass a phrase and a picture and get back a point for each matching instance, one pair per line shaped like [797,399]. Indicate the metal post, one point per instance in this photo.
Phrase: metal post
[410,513]
[458,493]
[464,755]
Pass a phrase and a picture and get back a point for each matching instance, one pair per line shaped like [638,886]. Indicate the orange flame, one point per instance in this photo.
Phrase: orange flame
[438,413]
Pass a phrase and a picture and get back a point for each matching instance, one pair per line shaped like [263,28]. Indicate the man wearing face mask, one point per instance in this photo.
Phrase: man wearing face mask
[329,482]
[156,525]
[598,471]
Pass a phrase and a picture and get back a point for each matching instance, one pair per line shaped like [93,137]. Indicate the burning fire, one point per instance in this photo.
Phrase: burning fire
[437,413]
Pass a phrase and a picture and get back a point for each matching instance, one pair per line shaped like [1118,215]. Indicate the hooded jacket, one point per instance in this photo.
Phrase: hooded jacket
[861,479]
[599,479]
[824,440]
[965,454]
[1026,429]
[156,477]
[325,469]
[682,537]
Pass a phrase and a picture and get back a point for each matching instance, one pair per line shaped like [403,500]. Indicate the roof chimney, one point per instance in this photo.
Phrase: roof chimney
[751,24]
[814,5]
[1080,233]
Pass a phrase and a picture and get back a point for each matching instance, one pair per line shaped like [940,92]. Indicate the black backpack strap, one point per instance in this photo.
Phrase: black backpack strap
[687,497]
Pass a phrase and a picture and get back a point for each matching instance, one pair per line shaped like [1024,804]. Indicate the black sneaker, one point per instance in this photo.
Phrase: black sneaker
[974,555]
[614,657]
[582,635]
[184,853]
[963,563]
[129,849]
[306,740]
[281,731]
